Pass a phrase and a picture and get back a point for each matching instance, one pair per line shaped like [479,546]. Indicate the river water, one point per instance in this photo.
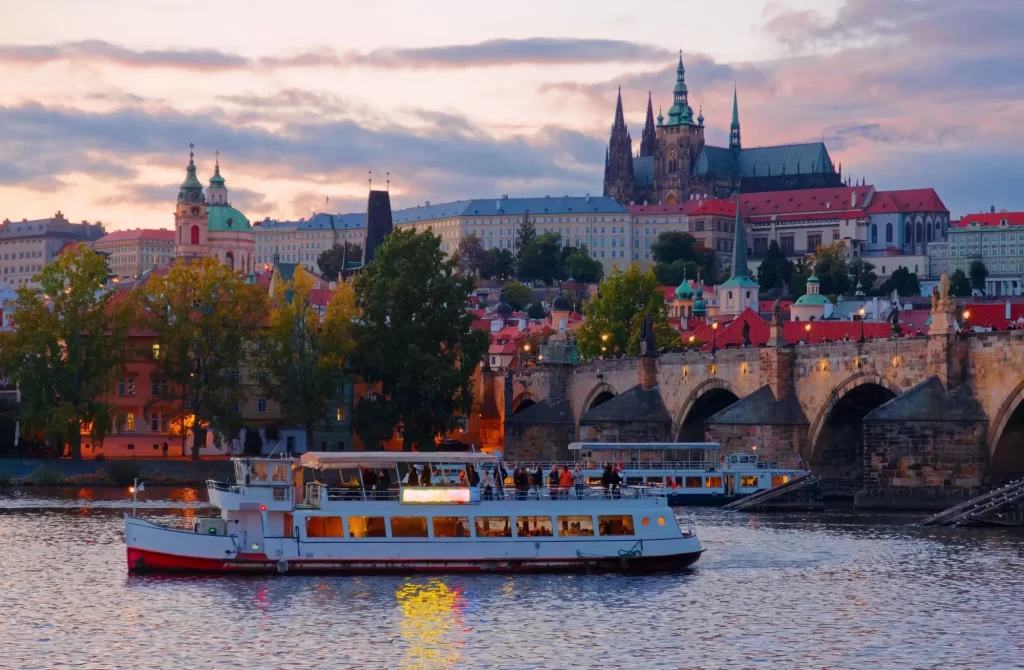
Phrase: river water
[822,590]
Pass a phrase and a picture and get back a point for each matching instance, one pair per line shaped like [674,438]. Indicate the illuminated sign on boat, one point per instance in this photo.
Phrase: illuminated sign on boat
[435,495]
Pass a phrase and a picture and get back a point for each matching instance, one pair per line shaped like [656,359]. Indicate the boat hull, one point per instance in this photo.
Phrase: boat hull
[142,561]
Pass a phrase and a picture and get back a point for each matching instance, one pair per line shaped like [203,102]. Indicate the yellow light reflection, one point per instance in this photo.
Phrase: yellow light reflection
[429,625]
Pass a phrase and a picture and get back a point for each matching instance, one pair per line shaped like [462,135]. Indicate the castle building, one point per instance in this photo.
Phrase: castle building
[207,224]
[674,164]
[27,246]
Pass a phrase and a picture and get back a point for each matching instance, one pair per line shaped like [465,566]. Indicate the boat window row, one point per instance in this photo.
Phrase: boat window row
[463,526]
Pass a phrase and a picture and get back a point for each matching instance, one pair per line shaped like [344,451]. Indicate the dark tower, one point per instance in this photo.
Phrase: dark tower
[378,223]
[734,128]
[649,140]
[618,163]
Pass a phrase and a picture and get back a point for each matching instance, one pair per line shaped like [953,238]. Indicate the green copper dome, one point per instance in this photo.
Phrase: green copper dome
[810,299]
[225,218]
[685,291]
[191,188]
[217,181]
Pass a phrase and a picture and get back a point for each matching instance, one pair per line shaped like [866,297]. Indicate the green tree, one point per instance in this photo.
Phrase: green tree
[414,343]
[67,348]
[978,273]
[498,264]
[536,311]
[830,267]
[672,246]
[302,353]
[903,281]
[584,269]
[673,274]
[471,255]
[798,279]
[540,259]
[332,261]
[206,317]
[615,317]
[518,295]
[959,284]
[864,272]
[775,271]
[525,234]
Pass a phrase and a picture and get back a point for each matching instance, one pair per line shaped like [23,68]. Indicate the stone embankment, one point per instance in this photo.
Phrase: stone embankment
[23,472]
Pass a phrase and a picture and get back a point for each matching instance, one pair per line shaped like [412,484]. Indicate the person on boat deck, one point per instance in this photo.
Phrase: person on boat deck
[413,477]
[553,481]
[485,485]
[383,481]
[538,481]
[606,478]
[463,480]
[565,481]
[353,487]
[521,478]
[474,476]
[499,479]
[616,482]
[579,479]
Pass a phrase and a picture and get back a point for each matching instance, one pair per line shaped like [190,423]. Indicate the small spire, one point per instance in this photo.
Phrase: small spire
[191,154]
[620,121]
[216,161]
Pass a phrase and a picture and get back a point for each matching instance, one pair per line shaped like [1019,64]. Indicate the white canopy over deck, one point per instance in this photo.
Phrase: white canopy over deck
[337,460]
[644,446]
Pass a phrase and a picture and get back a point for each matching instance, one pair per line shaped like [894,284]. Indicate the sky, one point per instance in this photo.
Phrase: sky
[99,100]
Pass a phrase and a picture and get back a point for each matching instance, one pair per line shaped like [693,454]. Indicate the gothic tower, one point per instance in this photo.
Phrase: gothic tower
[649,140]
[618,162]
[679,141]
[190,215]
[734,128]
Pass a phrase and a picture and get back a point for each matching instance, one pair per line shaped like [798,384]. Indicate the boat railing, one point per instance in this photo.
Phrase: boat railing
[317,493]
[707,466]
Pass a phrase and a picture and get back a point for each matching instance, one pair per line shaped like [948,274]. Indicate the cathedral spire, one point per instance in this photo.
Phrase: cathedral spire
[734,128]
[620,121]
[680,113]
[649,139]
[739,249]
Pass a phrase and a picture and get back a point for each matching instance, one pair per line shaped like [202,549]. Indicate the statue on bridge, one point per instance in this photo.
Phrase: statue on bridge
[777,312]
[746,334]
[648,347]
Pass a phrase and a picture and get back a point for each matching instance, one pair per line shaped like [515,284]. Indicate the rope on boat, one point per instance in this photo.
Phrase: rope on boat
[635,552]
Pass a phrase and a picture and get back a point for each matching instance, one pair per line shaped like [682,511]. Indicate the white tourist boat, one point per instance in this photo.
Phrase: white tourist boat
[688,473]
[273,520]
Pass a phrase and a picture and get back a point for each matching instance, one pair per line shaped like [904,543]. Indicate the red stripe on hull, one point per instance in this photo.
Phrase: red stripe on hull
[141,560]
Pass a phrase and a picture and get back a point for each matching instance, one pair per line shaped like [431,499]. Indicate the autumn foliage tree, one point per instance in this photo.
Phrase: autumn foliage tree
[206,317]
[303,352]
[67,347]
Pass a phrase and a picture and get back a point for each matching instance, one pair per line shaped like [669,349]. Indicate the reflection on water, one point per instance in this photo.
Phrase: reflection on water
[772,591]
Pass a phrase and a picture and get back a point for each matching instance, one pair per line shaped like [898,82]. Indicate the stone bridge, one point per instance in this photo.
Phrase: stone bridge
[938,411]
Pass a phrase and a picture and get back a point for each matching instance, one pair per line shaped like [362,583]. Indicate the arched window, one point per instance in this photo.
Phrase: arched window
[909,237]
[195,235]
[888,233]
[874,234]
[229,258]
[920,232]
[671,166]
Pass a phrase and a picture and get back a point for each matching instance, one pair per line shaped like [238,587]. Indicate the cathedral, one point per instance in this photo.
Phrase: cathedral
[674,165]
[207,224]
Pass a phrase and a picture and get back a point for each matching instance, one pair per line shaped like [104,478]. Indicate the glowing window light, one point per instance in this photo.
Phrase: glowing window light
[435,495]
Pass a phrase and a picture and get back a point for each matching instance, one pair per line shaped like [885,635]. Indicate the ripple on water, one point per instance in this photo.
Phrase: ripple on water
[782,591]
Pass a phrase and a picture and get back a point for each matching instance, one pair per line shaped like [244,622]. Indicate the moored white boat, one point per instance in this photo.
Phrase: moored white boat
[271,521]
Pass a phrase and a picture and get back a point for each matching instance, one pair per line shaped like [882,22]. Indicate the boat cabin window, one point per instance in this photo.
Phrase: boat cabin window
[366,526]
[713,482]
[324,526]
[534,526]
[576,525]
[617,524]
[408,526]
[492,526]
[260,471]
[451,526]
[748,480]
[779,480]
[694,482]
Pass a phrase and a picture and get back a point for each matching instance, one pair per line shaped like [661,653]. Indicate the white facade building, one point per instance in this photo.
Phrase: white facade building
[26,246]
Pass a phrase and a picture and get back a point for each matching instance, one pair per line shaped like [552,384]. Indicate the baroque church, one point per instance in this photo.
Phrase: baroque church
[207,224]
[674,165]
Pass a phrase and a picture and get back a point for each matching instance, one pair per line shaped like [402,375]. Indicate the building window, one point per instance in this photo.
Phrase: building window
[814,240]
[339,414]
[261,405]
[126,387]
[874,234]
[786,244]
[888,233]
[129,422]
[156,351]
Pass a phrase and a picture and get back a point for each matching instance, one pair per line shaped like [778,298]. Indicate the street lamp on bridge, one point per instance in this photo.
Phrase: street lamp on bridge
[862,325]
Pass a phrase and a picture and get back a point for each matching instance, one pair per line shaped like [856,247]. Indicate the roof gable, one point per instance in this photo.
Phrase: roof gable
[636,404]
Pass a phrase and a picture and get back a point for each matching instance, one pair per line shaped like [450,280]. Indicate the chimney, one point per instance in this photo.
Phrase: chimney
[853,198]
[426,203]
[504,197]
[588,197]
[497,205]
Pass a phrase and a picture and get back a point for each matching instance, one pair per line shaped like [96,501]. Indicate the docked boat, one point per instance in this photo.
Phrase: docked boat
[688,473]
[401,512]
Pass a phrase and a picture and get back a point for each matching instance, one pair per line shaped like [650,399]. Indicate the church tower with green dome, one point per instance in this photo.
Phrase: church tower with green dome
[190,214]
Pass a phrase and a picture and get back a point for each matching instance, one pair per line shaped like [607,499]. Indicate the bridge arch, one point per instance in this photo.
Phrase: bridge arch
[835,441]
[1006,435]
[708,398]
[523,401]
[598,395]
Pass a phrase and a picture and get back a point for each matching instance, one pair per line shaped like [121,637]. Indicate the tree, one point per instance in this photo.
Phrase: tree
[540,259]
[673,274]
[415,345]
[68,345]
[798,279]
[518,295]
[206,317]
[303,353]
[332,261]
[959,284]
[978,273]
[584,269]
[775,271]
[536,311]
[525,234]
[672,246]
[471,255]
[498,264]
[624,299]
[831,269]
[864,272]
[903,281]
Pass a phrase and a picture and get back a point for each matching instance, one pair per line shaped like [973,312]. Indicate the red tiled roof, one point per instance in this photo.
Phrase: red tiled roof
[684,208]
[731,334]
[159,234]
[714,206]
[906,200]
[993,315]
[990,219]
[767,305]
[797,204]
